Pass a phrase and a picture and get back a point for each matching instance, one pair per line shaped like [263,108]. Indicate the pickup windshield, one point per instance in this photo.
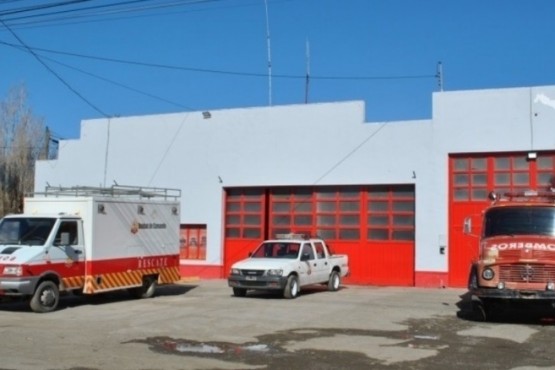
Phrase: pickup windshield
[28,231]
[520,221]
[277,250]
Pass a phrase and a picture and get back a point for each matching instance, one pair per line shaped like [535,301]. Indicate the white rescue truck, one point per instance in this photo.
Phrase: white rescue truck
[90,240]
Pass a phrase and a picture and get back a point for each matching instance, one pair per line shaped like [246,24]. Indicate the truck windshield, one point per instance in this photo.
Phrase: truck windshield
[29,231]
[277,250]
[520,221]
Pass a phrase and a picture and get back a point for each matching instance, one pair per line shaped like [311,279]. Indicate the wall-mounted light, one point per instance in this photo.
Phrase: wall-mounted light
[141,210]
[174,211]
[532,155]
[101,208]
[206,115]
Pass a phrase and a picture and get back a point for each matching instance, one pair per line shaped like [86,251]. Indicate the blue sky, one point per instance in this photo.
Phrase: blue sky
[203,55]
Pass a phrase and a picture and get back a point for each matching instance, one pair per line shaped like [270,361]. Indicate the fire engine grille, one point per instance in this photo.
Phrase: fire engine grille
[525,254]
[528,273]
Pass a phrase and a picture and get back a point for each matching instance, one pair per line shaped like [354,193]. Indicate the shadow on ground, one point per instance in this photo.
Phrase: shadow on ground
[69,300]
[506,311]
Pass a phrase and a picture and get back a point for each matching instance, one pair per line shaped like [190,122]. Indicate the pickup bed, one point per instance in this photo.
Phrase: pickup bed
[287,264]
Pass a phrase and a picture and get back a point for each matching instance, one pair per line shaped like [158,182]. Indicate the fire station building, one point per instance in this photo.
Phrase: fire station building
[391,195]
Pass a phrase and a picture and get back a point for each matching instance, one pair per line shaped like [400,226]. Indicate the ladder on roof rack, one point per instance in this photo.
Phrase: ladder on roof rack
[112,191]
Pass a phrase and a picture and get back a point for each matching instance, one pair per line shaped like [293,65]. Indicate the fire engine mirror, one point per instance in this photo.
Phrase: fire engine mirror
[467,226]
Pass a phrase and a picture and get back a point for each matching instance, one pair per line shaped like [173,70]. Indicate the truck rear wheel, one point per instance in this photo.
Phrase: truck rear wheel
[147,290]
[334,282]
[291,290]
[45,298]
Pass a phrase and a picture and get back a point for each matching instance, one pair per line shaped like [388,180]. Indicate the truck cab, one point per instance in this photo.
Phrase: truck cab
[38,248]
[516,259]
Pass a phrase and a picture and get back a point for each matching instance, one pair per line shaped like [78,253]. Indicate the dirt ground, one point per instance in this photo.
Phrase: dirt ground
[200,325]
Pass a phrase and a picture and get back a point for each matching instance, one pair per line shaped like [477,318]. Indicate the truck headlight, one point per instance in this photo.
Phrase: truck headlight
[13,270]
[274,272]
[235,272]
[488,273]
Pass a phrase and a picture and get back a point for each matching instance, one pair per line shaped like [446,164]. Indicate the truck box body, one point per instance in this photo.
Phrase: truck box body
[114,241]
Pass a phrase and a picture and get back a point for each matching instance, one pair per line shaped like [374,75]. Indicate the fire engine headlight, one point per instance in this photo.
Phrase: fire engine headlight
[488,273]
[550,286]
[13,270]
[274,272]
[235,272]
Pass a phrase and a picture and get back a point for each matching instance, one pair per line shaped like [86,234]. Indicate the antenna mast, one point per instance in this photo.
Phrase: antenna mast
[269,54]
[307,83]
[439,76]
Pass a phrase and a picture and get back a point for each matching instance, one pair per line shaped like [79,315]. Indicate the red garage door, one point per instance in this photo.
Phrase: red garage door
[374,225]
[471,178]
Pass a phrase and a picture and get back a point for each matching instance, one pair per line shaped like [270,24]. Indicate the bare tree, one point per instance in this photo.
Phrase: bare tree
[23,140]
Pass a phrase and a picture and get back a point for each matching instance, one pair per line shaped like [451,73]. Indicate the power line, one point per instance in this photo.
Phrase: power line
[40,7]
[227,72]
[37,57]
[113,82]
[97,10]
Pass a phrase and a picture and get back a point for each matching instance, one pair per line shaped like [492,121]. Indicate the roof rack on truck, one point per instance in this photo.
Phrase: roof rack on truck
[114,191]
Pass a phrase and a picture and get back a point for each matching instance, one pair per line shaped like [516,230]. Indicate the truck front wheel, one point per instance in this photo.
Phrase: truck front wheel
[46,297]
[334,281]
[291,288]
[239,292]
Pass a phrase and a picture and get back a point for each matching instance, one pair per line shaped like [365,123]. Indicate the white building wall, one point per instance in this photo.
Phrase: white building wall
[314,144]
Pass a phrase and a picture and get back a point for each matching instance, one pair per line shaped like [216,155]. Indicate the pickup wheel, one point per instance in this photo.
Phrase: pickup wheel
[239,292]
[334,282]
[45,298]
[291,290]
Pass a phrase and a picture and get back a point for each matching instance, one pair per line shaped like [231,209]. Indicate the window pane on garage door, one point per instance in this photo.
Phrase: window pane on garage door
[390,213]
[244,210]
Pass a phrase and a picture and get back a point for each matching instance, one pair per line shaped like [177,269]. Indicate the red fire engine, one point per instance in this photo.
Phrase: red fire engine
[516,251]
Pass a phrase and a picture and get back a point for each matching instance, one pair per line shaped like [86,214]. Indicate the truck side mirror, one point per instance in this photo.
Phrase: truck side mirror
[467,226]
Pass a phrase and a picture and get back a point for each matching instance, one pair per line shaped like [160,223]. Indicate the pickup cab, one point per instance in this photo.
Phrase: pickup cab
[286,264]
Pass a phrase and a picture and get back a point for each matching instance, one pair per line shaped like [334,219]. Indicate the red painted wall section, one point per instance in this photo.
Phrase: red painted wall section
[236,250]
[379,264]
[197,272]
[431,279]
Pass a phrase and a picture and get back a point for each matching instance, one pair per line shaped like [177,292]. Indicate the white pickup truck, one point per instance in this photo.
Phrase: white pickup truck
[286,264]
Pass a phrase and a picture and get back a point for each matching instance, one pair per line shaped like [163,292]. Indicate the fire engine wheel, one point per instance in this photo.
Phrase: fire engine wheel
[46,297]
[291,290]
[147,290]
[334,281]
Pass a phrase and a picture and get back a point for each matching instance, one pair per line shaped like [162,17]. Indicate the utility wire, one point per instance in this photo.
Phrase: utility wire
[37,57]
[110,81]
[226,72]
[98,10]
[40,7]
[121,85]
